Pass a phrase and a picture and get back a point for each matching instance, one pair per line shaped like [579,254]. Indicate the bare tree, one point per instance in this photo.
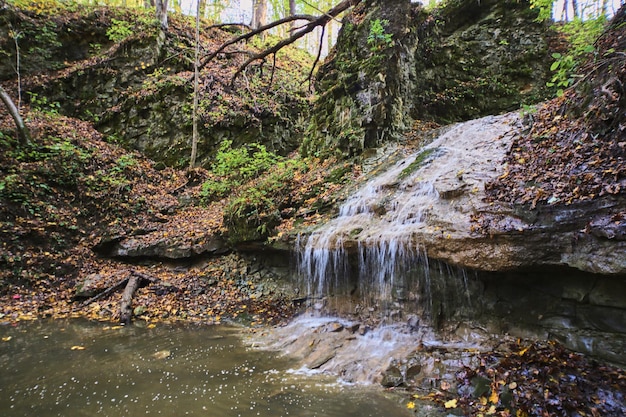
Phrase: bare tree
[194,138]
[313,22]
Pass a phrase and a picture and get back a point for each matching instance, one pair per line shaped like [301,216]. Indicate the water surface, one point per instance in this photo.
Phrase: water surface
[80,368]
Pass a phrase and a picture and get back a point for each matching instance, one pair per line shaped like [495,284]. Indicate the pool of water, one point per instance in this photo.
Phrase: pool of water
[81,368]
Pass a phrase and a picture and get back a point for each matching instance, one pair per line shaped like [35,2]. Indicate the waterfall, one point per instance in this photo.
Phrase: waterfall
[369,248]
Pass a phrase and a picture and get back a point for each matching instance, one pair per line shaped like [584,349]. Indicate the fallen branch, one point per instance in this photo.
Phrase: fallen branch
[126,311]
[105,293]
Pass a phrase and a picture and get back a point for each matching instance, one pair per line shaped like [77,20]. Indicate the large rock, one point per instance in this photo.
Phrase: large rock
[435,201]
[395,62]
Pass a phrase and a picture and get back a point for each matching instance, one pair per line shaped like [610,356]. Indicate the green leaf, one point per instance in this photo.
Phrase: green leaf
[555,65]
[556,55]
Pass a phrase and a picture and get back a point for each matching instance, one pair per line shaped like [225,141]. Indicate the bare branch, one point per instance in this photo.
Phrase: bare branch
[250,34]
[317,58]
[319,21]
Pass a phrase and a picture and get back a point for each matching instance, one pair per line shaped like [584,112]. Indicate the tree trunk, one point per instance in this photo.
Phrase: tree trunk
[22,130]
[259,14]
[292,12]
[194,137]
[161,13]
[126,310]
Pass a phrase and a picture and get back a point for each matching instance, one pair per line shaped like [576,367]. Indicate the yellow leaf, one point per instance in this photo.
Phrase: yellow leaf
[410,405]
[513,385]
[151,326]
[483,400]
[493,398]
[450,404]
[6,338]
[521,352]
[76,347]
[491,411]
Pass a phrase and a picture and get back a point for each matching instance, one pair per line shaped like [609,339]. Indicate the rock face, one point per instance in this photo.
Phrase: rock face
[554,271]
[137,90]
[395,62]
[435,200]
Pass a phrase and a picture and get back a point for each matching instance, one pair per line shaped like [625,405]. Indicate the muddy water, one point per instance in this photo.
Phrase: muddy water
[80,368]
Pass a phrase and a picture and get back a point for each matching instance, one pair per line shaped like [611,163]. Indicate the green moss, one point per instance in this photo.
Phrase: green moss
[420,160]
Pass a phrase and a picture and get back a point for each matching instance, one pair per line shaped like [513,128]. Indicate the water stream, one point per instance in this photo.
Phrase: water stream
[79,368]
[370,250]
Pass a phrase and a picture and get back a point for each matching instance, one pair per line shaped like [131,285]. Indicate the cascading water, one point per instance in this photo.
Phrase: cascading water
[369,248]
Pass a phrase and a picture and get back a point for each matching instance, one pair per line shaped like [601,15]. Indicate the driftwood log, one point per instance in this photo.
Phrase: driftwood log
[130,285]
[126,310]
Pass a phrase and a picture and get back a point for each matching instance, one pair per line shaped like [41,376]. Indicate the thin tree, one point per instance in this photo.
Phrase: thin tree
[194,138]
[22,130]
[161,13]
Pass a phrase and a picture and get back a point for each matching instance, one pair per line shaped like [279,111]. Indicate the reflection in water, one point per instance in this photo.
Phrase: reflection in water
[79,368]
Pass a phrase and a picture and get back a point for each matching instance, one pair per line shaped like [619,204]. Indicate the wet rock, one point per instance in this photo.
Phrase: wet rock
[392,377]
[175,247]
[335,327]
[89,287]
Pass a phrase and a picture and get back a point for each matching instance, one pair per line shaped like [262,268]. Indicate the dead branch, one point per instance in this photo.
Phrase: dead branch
[319,21]
[250,34]
[317,57]
[225,25]
[105,293]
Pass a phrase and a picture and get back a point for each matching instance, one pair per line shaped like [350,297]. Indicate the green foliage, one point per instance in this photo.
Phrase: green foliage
[45,7]
[41,104]
[233,166]
[378,39]
[563,68]
[544,7]
[119,30]
[581,35]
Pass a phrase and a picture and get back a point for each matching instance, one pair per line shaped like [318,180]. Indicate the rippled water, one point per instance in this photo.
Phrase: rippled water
[80,368]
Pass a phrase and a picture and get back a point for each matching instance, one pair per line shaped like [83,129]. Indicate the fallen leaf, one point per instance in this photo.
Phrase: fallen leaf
[450,404]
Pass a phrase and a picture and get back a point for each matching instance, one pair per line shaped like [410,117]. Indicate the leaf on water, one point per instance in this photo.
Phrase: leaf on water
[77,347]
[162,354]
[7,338]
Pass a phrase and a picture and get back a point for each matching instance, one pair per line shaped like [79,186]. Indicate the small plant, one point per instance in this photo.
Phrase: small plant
[378,39]
[563,68]
[95,48]
[119,30]
[41,103]
[233,166]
